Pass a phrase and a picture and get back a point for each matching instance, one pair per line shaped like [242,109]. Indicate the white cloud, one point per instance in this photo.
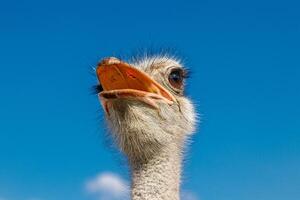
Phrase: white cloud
[108,186]
[188,195]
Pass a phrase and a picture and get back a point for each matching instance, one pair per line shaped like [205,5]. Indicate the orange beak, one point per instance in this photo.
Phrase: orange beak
[120,80]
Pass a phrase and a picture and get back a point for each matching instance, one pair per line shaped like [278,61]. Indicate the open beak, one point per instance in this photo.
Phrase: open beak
[120,80]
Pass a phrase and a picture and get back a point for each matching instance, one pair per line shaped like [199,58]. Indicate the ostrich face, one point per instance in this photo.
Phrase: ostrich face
[145,104]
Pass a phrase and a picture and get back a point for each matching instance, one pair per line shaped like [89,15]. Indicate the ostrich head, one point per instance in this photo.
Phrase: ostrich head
[145,104]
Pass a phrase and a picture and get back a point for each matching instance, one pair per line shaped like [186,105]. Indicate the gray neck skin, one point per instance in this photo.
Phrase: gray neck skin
[159,177]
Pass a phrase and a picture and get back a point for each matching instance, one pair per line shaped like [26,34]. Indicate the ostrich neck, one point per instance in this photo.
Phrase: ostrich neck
[159,177]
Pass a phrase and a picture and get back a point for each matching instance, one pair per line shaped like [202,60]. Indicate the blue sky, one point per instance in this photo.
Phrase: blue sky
[244,58]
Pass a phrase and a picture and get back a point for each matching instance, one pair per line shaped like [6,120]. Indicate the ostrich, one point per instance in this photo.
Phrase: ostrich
[150,120]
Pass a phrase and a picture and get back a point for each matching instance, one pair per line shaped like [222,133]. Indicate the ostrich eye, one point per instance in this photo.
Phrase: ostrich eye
[176,78]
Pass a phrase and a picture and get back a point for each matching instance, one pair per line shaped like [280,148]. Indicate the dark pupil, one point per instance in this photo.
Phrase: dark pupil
[176,76]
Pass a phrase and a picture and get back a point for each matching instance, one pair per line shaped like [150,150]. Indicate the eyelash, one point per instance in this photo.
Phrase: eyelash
[186,73]
[96,89]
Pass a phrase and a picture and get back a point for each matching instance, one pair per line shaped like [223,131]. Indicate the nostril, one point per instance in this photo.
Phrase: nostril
[109,61]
